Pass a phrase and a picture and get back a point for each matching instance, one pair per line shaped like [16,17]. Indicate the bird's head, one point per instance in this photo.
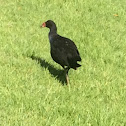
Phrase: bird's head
[48,24]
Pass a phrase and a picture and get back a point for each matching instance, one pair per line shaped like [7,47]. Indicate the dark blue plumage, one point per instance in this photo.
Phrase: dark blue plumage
[63,50]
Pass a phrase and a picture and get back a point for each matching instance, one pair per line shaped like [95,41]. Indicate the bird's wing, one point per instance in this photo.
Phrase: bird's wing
[66,47]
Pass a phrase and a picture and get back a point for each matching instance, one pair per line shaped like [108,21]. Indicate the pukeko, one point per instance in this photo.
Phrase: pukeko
[63,50]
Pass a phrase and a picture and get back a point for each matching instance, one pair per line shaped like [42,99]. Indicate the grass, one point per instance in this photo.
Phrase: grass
[31,91]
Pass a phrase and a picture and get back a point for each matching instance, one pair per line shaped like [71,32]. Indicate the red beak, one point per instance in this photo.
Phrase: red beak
[43,25]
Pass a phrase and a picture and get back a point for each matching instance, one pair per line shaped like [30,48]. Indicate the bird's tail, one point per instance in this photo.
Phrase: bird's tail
[77,65]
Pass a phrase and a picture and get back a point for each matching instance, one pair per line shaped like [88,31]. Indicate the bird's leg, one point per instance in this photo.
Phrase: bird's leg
[66,74]
[67,78]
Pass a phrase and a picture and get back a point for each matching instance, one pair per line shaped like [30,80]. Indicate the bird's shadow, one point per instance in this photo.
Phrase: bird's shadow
[58,74]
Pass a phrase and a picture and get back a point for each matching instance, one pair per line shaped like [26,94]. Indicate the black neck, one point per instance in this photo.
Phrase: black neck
[53,29]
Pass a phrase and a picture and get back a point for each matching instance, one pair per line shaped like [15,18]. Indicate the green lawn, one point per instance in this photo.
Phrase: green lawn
[31,89]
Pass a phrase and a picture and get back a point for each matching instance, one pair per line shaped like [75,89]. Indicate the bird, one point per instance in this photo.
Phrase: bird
[63,50]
